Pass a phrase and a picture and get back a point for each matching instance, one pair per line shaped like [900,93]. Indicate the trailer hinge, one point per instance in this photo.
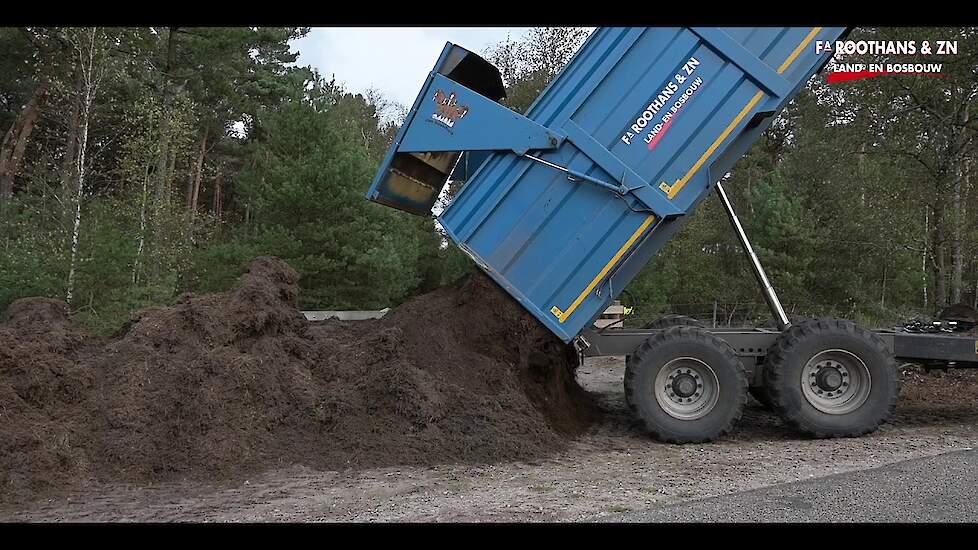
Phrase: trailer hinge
[581,344]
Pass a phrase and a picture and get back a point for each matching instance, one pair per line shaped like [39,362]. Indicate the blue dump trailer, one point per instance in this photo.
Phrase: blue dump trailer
[565,204]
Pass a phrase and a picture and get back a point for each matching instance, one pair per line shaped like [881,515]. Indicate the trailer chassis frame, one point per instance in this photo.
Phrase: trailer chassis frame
[752,344]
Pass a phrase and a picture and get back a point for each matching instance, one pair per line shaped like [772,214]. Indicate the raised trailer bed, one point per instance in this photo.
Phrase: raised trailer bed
[563,206]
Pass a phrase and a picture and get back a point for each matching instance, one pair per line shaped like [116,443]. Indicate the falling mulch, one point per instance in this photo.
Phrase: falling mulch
[222,385]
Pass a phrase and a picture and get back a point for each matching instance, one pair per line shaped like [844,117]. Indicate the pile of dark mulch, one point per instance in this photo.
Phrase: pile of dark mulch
[42,384]
[222,385]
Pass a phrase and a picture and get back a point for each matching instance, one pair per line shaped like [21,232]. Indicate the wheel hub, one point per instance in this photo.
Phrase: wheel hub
[829,378]
[686,388]
[684,385]
[836,381]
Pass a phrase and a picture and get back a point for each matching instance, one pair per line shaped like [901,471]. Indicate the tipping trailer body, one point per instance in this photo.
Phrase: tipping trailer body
[565,205]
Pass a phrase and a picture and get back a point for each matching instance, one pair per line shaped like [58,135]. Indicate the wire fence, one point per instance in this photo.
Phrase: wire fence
[751,314]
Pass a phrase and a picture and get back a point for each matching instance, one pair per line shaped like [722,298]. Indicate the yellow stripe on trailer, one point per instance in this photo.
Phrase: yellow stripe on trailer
[801,47]
[563,315]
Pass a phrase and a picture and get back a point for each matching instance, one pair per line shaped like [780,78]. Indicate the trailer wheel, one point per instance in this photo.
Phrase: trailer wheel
[686,385]
[831,378]
[664,322]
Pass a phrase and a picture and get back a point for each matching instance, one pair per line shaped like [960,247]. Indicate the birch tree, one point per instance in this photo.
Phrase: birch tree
[89,47]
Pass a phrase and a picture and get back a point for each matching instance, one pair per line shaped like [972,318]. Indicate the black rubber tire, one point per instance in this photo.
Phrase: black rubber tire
[669,321]
[792,350]
[694,342]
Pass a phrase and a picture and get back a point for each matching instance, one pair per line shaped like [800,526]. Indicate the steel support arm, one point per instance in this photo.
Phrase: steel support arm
[770,296]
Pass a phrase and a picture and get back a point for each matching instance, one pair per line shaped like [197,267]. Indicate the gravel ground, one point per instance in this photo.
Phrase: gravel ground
[615,469]
[932,489]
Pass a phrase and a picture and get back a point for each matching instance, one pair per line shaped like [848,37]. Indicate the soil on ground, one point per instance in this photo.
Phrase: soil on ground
[612,469]
[224,385]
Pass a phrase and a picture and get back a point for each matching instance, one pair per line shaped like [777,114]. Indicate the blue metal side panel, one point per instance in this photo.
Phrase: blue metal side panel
[484,124]
[566,249]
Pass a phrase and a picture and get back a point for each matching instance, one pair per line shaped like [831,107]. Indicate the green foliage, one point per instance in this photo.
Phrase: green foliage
[529,63]
[859,199]
[304,187]
[32,260]
[160,89]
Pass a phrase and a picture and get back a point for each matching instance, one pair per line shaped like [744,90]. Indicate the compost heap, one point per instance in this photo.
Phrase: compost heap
[222,385]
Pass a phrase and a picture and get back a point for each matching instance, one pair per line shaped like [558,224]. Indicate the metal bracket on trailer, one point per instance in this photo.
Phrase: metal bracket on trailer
[652,202]
[957,351]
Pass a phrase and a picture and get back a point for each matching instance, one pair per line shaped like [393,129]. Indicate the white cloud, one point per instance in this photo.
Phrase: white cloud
[393,60]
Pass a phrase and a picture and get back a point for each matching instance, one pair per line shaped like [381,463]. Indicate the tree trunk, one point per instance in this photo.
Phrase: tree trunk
[68,164]
[198,175]
[923,259]
[16,139]
[80,170]
[218,184]
[141,239]
[961,181]
[974,300]
[940,273]
[92,73]
[957,246]
[162,181]
[939,243]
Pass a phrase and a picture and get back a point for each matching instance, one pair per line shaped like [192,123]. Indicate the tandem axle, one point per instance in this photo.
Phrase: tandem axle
[824,377]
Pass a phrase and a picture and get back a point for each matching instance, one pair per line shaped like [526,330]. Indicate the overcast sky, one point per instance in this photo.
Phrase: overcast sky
[394,60]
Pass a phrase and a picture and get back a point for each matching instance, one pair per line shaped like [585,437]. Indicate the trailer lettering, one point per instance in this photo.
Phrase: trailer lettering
[655,135]
[662,100]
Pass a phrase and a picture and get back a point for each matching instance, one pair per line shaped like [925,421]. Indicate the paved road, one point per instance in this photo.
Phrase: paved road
[942,488]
